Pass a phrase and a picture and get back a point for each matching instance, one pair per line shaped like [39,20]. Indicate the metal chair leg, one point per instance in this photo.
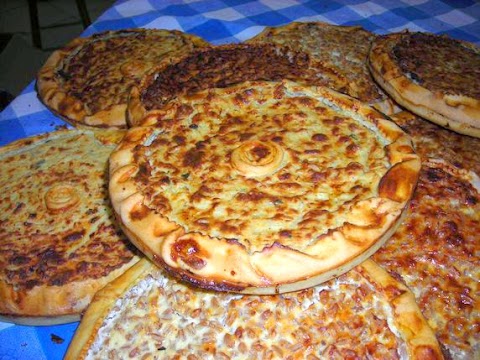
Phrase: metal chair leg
[82,9]
[34,24]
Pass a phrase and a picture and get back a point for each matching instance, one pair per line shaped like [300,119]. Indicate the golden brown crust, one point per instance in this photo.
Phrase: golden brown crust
[47,305]
[344,47]
[386,323]
[226,65]
[229,252]
[455,109]
[101,305]
[414,329]
[87,81]
[59,243]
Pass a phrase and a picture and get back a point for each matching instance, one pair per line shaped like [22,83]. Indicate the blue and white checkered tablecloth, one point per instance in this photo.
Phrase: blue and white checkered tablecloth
[220,22]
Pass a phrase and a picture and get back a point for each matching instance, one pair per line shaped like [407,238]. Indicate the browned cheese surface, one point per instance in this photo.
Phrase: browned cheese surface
[56,225]
[436,249]
[344,47]
[100,72]
[439,64]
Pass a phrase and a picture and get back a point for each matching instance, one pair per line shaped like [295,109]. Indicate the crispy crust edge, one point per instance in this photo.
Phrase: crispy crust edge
[52,94]
[155,235]
[49,90]
[102,303]
[458,113]
[47,305]
[409,320]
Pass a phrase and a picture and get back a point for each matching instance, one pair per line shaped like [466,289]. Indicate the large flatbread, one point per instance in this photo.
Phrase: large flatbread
[87,81]
[436,250]
[59,242]
[364,313]
[262,187]
[345,48]
[433,76]
[226,65]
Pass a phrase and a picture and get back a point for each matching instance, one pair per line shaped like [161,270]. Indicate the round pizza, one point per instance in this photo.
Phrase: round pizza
[363,314]
[433,76]
[345,48]
[262,187]
[226,65]
[59,241]
[436,249]
[87,82]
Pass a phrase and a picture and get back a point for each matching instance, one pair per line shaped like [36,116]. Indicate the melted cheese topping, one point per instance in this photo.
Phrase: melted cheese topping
[101,71]
[55,224]
[436,248]
[455,68]
[435,251]
[330,160]
[161,318]
[344,47]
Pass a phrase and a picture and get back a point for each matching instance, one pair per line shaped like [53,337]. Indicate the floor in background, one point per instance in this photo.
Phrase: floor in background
[59,22]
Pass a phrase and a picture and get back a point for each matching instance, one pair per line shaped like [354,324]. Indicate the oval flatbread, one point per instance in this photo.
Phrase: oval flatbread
[262,187]
[345,48]
[363,314]
[433,76]
[59,242]
[87,82]
[226,65]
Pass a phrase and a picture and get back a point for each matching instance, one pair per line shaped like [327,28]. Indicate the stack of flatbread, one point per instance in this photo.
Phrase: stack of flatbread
[292,196]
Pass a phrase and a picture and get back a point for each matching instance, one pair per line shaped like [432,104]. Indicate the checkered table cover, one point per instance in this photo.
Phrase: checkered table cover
[219,22]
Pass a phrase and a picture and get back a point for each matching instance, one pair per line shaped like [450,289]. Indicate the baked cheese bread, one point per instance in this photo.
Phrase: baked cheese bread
[433,76]
[59,241]
[226,65]
[262,187]
[144,314]
[87,82]
[345,48]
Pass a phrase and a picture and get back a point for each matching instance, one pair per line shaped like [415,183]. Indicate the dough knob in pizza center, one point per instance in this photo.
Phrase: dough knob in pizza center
[61,197]
[257,158]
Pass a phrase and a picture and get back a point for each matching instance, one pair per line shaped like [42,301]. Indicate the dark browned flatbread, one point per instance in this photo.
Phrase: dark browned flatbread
[59,241]
[433,76]
[87,82]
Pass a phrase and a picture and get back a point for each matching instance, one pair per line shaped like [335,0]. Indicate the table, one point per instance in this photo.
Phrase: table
[219,22]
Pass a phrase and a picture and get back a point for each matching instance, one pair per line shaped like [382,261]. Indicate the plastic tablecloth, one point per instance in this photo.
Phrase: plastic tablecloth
[219,22]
